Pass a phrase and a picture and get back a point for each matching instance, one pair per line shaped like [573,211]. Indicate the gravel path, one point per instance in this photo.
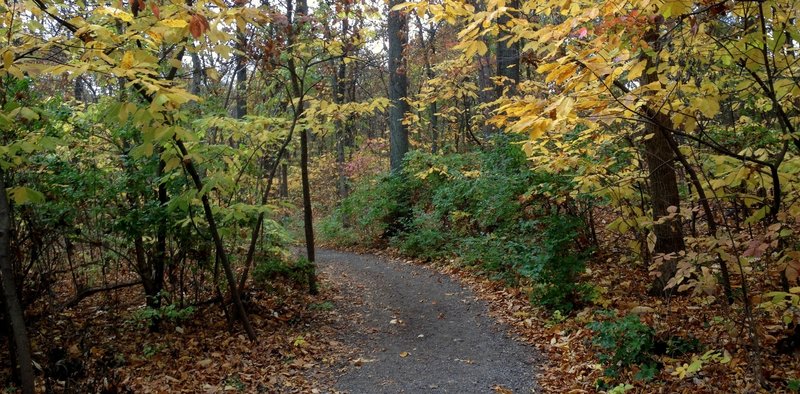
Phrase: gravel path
[418,331]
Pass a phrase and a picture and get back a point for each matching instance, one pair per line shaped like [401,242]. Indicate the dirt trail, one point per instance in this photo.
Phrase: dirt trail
[419,331]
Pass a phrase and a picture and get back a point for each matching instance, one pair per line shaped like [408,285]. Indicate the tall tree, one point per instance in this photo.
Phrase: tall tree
[298,90]
[662,178]
[507,52]
[19,334]
[339,89]
[397,29]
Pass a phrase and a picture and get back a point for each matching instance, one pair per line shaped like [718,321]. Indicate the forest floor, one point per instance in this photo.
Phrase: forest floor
[379,325]
[417,330]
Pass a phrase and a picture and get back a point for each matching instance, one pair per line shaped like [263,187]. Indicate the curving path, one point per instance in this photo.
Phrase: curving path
[418,331]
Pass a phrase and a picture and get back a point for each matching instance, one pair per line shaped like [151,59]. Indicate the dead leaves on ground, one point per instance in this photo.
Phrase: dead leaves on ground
[200,355]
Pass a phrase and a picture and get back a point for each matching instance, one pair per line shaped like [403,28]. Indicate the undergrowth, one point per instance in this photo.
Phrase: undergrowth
[486,210]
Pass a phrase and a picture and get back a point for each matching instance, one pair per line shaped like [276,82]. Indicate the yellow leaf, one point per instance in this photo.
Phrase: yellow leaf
[636,70]
[8,59]
[172,164]
[482,49]
[175,23]
[565,108]
[708,106]
[539,127]
[116,13]
[127,61]
[676,8]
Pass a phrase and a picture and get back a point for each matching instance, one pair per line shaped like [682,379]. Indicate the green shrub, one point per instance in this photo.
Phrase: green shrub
[793,385]
[331,229]
[268,270]
[488,208]
[172,313]
[424,238]
[373,211]
[556,265]
[676,346]
[496,255]
[624,343]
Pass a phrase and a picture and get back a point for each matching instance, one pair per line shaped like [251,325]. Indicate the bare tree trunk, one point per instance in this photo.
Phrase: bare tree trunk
[284,188]
[398,86]
[16,317]
[241,78]
[78,90]
[341,126]
[197,74]
[663,183]
[308,217]
[507,55]
[160,257]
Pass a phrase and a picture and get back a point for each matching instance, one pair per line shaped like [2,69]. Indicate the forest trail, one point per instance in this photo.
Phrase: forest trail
[417,331]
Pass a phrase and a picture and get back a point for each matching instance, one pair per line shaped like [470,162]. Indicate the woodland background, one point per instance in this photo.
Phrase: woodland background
[620,178]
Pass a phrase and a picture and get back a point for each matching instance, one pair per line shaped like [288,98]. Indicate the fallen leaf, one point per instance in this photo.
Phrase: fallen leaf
[639,310]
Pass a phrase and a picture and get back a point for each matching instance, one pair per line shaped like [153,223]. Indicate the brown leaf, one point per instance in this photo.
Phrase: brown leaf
[198,24]
[502,390]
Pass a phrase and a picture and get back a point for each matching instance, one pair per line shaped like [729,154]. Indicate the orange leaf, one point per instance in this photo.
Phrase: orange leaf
[154,8]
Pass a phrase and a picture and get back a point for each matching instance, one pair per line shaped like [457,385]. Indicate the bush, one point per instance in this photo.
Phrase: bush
[268,270]
[149,316]
[624,343]
[371,212]
[487,208]
[424,238]
[332,230]
[557,264]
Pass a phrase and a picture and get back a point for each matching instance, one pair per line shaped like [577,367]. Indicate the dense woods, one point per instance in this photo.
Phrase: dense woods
[629,169]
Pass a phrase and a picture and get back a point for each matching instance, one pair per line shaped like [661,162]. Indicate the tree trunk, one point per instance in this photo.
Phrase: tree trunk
[398,86]
[298,91]
[160,257]
[507,55]
[220,247]
[341,126]
[241,78]
[663,182]
[14,312]
[78,89]
[308,217]
[197,74]
[284,188]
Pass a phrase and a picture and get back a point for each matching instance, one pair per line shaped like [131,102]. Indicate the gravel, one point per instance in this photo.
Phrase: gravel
[418,331]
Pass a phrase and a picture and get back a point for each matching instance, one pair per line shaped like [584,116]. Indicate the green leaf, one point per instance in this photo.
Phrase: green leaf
[143,150]
[28,114]
[24,195]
